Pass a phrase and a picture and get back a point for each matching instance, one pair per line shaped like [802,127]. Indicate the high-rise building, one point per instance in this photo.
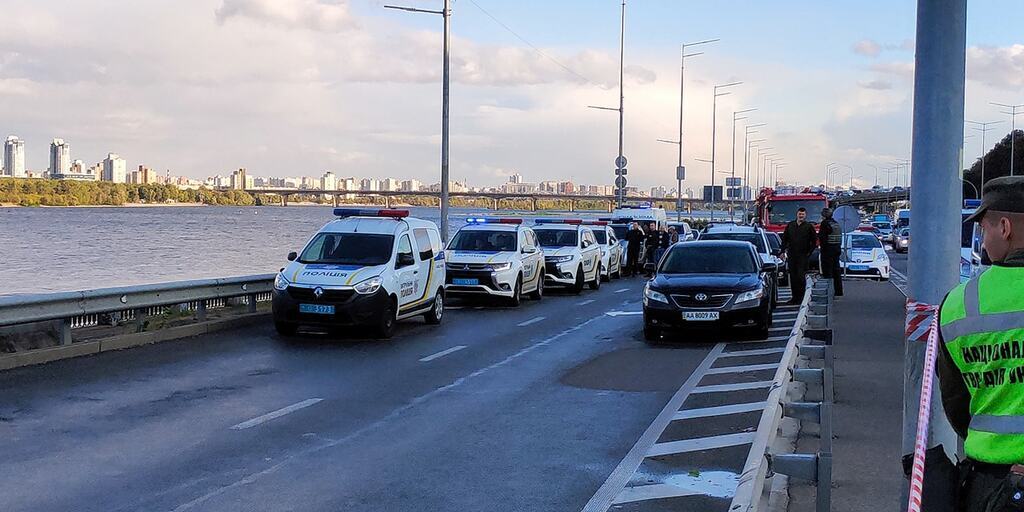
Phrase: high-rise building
[390,185]
[369,184]
[347,184]
[14,157]
[143,176]
[329,181]
[238,179]
[115,169]
[515,178]
[60,157]
[411,186]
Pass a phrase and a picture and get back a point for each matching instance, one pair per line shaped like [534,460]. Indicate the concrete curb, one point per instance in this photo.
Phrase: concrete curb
[125,341]
[789,432]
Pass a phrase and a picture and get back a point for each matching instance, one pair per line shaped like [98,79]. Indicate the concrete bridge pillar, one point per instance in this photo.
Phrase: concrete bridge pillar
[611,205]
[494,203]
[284,199]
[387,202]
[533,203]
[335,197]
[572,205]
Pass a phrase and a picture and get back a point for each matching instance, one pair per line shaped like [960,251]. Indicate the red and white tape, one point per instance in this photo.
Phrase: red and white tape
[922,325]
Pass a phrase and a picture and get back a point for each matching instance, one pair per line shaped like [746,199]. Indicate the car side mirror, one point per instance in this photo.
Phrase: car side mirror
[529,250]
[404,260]
[768,267]
[292,256]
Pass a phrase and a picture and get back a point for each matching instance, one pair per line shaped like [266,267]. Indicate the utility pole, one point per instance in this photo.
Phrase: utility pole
[620,161]
[1013,127]
[983,128]
[445,13]
[714,123]
[732,200]
[750,128]
[938,130]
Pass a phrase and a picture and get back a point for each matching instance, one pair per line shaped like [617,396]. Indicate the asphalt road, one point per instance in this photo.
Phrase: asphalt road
[537,408]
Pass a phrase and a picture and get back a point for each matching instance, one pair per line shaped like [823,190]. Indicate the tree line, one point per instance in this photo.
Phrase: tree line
[40,192]
[997,163]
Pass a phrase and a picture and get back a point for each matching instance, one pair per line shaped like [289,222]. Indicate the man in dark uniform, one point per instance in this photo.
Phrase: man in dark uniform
[830,239]
[798,241]
[651,244]
[635,242]
[980,356]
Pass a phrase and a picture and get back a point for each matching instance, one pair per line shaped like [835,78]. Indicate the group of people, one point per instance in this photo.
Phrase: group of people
[799,241]
[655,240]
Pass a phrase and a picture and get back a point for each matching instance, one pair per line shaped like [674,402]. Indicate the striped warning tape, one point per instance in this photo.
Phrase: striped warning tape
[930,326]
[920,317]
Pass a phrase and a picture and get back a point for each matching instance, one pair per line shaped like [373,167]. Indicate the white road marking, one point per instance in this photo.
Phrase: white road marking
[620,290]
[755,352]
[777,338]
[276,414]
[442,353]
[742,369]
[531,321]
[588,301]
[787,329]
[720,410]
[739,386]
[785,313]
[624,313]
[700,443]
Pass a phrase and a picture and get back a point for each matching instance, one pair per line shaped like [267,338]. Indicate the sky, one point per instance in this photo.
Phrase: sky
[297,87]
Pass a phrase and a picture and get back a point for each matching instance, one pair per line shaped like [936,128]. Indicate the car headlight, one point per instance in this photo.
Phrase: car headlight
[654,295]
[750,296]
[369,286]
[280,283]
[559,259]
[500,267]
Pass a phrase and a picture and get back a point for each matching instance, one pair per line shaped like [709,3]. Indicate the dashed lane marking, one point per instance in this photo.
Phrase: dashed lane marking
[739,386]
[755,352]
[442,353]
[276,414]
[588,301]
[653,492]
[531,321]
[624,313]
[620,290]
[700,443]
[741,369]
[721,410]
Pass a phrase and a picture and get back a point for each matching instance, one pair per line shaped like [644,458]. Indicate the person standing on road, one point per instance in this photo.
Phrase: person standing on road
[830,239]
[798,242]
[651,244]
[664,242]
[981,362]
[634,242]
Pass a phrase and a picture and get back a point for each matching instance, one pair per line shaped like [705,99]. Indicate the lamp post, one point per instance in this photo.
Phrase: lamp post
[446,13]
[1013,126]
[828,173]
[983,127]
[976,194]
[759,162]
[714,123]
[746,163]
[735,117]
[875,167]
[620,161]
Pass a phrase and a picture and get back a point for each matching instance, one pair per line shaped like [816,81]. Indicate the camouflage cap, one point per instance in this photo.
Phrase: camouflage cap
[1004,194]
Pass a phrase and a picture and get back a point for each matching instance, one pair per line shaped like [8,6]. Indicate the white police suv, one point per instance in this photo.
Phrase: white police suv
[497,257]
[611,249]
[368,267]
[572,256]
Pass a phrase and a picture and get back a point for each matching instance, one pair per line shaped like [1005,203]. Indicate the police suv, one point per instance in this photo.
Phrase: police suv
[497,257]
[572,256]
[611,249]
[368,267]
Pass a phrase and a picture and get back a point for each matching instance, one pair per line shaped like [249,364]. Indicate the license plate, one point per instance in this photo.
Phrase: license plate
[316,309]
[700,316]
[858,268]
[466,282]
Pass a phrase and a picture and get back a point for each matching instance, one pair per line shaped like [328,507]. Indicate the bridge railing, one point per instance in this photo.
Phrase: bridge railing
[74,310]
[812,325]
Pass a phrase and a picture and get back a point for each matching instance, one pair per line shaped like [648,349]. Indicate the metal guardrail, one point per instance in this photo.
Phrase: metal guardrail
[111,305]
[816,467]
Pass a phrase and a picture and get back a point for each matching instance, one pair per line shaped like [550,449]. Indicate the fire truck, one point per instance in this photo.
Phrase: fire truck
[776,208]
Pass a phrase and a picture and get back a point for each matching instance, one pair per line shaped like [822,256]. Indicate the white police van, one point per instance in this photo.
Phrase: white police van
[496,257]
[369,268]
[572,256]
[611,250]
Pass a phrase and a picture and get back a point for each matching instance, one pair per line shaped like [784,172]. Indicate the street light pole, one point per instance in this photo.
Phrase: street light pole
[714,119]
[1013,127]
[732,200]
[983,127]
[445,13]
[622,96]
[746,164]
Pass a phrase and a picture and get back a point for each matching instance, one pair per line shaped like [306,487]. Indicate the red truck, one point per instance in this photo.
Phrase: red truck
[776,208]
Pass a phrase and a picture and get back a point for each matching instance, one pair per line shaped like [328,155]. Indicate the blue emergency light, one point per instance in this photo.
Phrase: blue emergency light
[359,212]
[493,220]
[972,203]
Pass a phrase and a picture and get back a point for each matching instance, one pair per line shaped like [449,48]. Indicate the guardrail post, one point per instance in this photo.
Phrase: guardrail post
[252,302]
[140,319]
[823,491]
[201,311]
[65,331]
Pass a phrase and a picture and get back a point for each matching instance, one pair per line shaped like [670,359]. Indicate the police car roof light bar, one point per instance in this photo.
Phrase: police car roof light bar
[559,221]
[972,203]
[493,220]
[358,212]
[596,223]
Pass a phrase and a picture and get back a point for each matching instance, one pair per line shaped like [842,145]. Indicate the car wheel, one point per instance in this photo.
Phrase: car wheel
[286,328]
[538,294]
[596,283]
[436,313]
[517,293]
[578,286]
[385,327]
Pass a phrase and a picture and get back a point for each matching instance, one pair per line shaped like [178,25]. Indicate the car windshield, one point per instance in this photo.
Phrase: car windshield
[863,242]
[754,238]
[698,259]
[783,212]
[774,241]
[601,236]
[620,231]
[485,241]
[363,249]
[556,237]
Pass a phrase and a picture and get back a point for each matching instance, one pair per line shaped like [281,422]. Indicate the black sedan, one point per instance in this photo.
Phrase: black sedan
[709,284]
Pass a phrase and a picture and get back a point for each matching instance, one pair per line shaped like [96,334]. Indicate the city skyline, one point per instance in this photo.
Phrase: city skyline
[297,86]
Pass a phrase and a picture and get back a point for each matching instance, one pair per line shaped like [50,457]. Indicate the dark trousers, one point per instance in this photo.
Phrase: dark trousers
[632,260]
[985,491]
[798,277]
[830,269]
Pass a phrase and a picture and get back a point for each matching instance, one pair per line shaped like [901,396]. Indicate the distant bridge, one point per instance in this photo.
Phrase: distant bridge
[495,197]
[877,199]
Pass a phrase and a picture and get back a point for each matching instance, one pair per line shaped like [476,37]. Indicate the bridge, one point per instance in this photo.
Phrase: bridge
[880,201]
[495,197]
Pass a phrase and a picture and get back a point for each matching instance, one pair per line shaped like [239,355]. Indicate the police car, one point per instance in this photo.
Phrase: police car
[368,267]
[572,256]
[611,250]
[495,256]
[864,256]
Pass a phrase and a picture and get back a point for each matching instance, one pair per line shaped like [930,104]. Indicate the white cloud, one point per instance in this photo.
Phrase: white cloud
[868,48]
[299,14]
[997,67]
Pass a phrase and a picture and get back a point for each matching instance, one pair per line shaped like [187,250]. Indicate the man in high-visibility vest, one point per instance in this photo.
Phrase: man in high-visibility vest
[981,369]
